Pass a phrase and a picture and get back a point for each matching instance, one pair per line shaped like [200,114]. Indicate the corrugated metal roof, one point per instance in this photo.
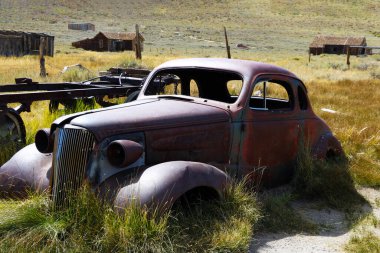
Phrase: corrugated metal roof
[321,41]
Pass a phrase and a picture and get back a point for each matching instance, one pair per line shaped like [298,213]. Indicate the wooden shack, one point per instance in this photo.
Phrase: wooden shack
[113,42]
[15,43]
[337,45]
[81,26]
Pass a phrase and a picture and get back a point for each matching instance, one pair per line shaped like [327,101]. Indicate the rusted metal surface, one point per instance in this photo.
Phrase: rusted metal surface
[27,170]
[195,135]
[162,184]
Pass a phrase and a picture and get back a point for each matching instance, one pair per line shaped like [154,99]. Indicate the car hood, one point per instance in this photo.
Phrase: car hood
[155,114]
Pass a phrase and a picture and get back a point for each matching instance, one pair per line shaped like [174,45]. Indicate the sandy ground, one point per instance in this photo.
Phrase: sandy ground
[333,236]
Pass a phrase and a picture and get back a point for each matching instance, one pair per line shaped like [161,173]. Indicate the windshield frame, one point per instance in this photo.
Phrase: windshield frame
[168,69]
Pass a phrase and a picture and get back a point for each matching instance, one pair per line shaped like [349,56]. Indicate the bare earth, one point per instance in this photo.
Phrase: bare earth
[332,238]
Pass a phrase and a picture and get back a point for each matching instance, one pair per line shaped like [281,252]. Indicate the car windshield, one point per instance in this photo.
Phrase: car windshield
[216,85]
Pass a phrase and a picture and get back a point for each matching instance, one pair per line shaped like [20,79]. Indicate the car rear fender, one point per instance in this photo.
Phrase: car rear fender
[327,146]
[161,185]
[27,170]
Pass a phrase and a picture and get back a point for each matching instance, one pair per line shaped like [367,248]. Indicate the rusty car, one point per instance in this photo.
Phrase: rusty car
[196,124]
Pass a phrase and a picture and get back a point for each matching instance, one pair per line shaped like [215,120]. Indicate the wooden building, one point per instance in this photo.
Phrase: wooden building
[106,41]
[15,43]
[81,26]
[337,45]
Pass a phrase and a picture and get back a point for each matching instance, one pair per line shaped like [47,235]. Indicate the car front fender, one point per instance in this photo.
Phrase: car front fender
[161,185]
[27,170]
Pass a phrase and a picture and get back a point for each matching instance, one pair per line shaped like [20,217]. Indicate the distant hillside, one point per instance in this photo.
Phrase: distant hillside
[265,25]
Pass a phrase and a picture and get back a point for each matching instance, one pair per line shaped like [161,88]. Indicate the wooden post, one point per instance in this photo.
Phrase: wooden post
[227,46]
[348,56]
[309,55]
[42,56]
[138,45]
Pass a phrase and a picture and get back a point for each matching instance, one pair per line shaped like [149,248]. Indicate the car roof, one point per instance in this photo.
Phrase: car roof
[246,68]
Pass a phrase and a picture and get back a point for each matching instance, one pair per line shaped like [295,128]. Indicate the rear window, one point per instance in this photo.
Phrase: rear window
[208,84]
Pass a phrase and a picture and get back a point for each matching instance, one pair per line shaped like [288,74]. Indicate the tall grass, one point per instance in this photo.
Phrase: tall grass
[89,224]
[7,150]
[327,180]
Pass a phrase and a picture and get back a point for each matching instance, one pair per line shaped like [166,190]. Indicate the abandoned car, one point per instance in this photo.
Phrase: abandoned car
[195,124]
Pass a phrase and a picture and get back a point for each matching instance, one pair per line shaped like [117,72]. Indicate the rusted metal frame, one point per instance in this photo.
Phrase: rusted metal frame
[129,71]
[42,87]
[62,94]
[59,86]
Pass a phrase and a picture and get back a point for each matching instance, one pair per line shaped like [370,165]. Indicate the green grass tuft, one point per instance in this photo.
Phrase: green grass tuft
[364,243]
[217,226]
[89,225]
[77,75]
[7,149]
[327,180]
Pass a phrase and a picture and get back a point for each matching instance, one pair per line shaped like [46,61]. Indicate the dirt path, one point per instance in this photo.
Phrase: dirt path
[333,236]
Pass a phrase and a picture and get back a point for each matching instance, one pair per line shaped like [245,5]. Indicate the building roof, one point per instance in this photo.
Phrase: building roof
[321,41]
[120,36]
[20,33]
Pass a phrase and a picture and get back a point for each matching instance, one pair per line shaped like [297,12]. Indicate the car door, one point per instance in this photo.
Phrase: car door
[270,130]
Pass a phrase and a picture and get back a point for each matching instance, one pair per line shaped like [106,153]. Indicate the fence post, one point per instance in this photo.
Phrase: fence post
[348,56]
[138,45]
[227,46]
[42,56]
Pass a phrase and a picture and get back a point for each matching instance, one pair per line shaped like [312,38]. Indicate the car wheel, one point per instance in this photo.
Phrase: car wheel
[12,128]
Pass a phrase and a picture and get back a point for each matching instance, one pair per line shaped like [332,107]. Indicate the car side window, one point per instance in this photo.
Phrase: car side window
[194,92]
[271,95]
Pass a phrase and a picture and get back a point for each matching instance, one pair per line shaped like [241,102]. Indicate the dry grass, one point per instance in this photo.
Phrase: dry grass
[269,26]
[356,123]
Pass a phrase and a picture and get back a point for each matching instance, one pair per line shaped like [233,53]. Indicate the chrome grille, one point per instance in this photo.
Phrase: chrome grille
[72,147]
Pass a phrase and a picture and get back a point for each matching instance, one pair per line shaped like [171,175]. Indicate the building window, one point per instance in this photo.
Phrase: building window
[101,44]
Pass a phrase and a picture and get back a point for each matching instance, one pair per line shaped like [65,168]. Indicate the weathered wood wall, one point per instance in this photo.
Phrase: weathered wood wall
[13,43]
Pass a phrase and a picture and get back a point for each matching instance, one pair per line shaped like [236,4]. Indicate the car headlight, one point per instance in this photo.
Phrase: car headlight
[44,140]
[121,153]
